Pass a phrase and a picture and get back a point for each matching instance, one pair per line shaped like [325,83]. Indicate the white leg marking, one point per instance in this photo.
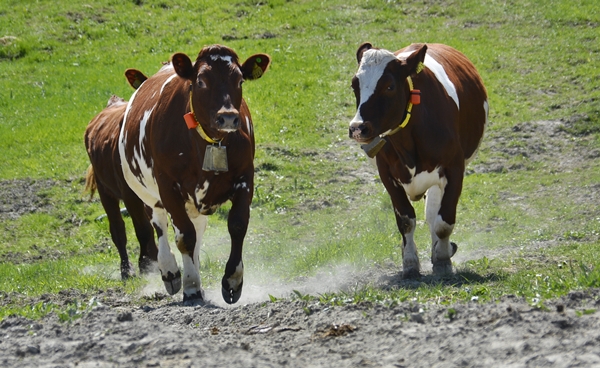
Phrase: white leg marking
[433,202]
[236,279]
[191,264]
[410,256]
[166,259]
[443,249]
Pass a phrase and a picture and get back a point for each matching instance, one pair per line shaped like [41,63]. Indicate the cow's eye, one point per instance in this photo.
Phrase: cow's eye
[391,87]
[201,83]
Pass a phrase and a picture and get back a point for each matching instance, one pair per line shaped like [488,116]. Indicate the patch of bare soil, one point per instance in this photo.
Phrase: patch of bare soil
[18,197]
[159,332]
[508,333]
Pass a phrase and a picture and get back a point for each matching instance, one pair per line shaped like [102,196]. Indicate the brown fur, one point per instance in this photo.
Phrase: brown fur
[175,153]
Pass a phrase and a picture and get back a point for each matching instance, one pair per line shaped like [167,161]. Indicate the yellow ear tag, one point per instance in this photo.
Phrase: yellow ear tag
[420,67]
[257,71]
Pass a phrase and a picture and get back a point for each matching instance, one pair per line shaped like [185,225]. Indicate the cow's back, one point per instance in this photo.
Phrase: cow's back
[101,141]
[471,93]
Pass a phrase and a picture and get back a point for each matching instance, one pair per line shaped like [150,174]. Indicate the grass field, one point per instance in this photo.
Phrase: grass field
[529,228]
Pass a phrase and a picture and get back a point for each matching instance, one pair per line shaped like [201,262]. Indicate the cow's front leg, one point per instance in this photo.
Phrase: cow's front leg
[411,267]
[441,216]
[192,284]
[167,264]
[407,222]
[237,224]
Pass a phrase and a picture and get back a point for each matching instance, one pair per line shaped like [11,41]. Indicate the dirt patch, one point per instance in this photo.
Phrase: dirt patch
[536,145]
[21,196]
[161,333]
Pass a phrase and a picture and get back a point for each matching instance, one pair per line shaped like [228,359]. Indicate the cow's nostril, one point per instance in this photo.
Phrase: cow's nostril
[364,130]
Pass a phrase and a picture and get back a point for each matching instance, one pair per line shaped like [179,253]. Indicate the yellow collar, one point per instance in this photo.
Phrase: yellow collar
[192,123]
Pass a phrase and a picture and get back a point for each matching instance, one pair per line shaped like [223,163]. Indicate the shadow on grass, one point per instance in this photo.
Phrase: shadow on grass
[458,279]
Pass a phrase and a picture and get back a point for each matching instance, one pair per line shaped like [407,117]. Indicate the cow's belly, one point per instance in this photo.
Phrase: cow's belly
[422,181]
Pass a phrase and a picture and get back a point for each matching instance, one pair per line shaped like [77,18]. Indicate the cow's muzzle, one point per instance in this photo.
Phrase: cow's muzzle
[227,120]
[361,131]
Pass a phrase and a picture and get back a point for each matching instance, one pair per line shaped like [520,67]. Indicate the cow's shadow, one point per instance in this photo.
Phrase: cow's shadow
[457,279]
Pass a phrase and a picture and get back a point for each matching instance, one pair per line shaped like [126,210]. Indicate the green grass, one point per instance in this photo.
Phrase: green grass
[60,62]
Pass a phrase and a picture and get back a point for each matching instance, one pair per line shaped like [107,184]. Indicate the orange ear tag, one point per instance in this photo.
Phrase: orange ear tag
[190,120]
[415,96]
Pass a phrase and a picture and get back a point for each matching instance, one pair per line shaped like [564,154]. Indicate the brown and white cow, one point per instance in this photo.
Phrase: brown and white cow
[105,176]
[186,147]
[421,142]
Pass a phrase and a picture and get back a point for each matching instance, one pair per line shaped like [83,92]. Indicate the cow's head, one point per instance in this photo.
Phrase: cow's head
[381,90]
[216,83]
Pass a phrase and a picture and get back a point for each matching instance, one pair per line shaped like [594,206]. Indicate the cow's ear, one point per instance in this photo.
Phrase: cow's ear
[255,66]
[414,61]
[135,78]
[361,50]
[183,66]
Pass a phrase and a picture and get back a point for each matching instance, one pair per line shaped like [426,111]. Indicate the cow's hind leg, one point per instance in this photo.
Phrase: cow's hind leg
[117,229]
[167,264]
[143,230]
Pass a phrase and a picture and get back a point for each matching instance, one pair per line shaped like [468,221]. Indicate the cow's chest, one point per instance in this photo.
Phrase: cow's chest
[210,194]
[415,184]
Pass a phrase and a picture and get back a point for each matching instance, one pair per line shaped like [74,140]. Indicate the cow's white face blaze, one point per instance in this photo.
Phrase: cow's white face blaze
[380,89]
[370,70]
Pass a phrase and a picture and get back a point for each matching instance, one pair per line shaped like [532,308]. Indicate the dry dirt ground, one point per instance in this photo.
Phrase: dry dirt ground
[159,332]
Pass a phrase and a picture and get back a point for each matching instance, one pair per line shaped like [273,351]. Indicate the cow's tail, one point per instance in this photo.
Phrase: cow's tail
[90,181]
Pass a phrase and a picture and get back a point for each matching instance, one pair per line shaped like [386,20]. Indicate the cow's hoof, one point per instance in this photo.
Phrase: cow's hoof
[411,274]
[442,268]
[127,271]
[194,299]
[147,265]
[172,282]
[231,296]
[454,249]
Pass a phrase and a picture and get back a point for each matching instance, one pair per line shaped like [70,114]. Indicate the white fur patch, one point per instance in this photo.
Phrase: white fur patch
[148,192]
[226,59]
[167,82]
[369,72]
[236,279]
[166,259]
[421,182]
[440,74]
[249,126]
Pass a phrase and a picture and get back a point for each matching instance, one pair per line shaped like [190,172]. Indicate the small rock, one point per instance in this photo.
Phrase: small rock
[124,316]
[417,317]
